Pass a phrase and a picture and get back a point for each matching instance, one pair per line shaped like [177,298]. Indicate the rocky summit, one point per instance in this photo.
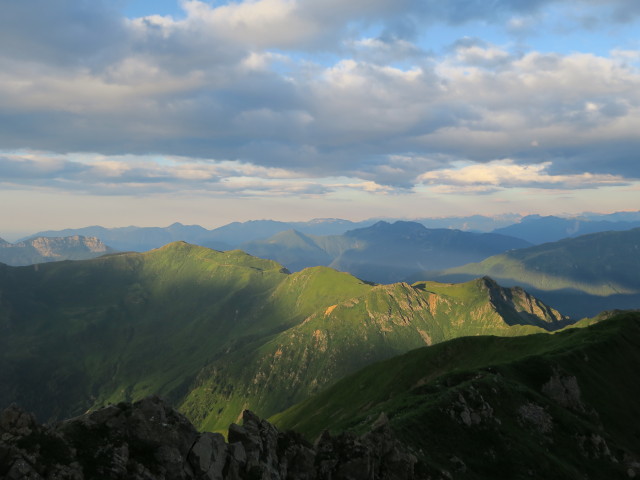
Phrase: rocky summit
[150,440]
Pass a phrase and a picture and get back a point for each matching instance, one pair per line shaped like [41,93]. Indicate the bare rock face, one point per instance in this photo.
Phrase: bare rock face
[208,456]
[51,249]
[15,421]
[150,440]
[564,390]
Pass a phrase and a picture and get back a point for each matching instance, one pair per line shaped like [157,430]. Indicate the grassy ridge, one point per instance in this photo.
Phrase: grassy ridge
[598,264]
[83,334]
[217,332]
[124,326]
[547,406]
[341,338]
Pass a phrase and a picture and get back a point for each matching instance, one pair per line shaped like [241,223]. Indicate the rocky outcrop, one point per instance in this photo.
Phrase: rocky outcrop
[51,249]
[518,307]
[150,440]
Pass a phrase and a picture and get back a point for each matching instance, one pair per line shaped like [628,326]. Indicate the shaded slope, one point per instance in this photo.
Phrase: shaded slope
[119,327]
[537,406]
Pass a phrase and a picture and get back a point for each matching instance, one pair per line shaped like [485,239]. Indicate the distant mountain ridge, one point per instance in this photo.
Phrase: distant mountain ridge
[227,237]
[52,249]
[537,229]
[230,236]
[581,276]
[383,252]
[134,238]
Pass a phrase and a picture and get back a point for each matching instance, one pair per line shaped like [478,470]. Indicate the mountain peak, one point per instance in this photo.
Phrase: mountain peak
[178,244]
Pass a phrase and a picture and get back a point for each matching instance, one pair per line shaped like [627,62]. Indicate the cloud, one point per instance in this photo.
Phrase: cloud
[500,174]
[306,90]
[134,175]
[64,32]
[477,53]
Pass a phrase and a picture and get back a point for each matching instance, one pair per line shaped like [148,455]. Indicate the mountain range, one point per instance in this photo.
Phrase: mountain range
[219,332]
[533,228]
[51,249]
[439,379]
[579,275]
[384,252]
[227,237]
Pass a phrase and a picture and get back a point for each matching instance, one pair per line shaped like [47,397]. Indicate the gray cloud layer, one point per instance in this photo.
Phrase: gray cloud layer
[298,86]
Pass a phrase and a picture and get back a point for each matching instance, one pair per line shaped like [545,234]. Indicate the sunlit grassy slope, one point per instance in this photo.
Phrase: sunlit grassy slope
[344,336]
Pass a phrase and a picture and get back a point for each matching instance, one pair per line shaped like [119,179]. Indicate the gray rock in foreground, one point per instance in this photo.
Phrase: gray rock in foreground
[149,440]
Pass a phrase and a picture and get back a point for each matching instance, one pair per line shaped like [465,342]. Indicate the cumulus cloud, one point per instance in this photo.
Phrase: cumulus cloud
[507,174]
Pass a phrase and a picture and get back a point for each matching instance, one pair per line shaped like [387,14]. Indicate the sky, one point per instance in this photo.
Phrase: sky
[147,112]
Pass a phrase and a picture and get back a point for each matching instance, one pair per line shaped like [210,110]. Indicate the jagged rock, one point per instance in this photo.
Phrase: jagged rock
[564,389]
[149,440]
[472,409]
[297,457]
[15,421]
[22,470]
[376,454]
[536,416]
[208,456]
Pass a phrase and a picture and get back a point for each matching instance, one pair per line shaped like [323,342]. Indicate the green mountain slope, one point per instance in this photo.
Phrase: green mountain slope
[337,340]
[217,332]
[600,264]
[127,325]
[603,266]
[539,406]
